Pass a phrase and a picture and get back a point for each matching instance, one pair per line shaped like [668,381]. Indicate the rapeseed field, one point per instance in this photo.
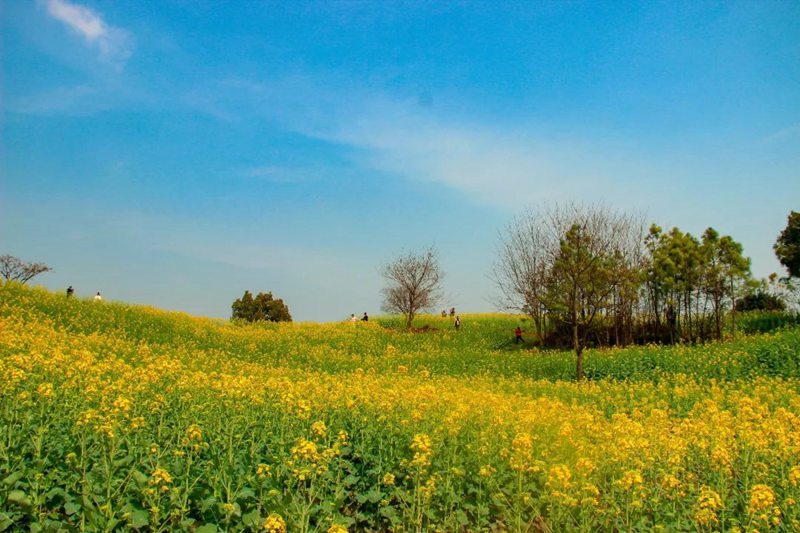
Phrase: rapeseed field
[116,417]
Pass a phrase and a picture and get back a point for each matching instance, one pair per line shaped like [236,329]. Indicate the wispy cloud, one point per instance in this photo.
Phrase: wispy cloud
[58,100]
[276,174]
[114,44]
[490,159]
[789,132]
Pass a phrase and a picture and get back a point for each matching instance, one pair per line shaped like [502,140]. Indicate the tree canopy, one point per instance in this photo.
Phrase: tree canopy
[787,247]
[264,307]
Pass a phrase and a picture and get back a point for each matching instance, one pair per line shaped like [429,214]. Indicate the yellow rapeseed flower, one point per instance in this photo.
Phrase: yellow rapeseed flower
[274,524]
[761,497]
[708,503]
[422,448]
[160,477]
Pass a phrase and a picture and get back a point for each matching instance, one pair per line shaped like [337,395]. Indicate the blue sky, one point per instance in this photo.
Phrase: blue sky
[178,153]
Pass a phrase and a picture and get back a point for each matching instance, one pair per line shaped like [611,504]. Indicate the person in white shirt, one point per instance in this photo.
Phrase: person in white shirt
[97,297]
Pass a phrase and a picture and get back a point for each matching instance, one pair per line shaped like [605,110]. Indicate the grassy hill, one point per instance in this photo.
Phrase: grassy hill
[125,417]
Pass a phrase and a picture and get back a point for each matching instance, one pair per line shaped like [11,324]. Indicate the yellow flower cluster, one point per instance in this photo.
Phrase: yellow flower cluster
[423,450]
[521,452]
[160,478]
[762,505]
[319,428]
[708,505]
[794,476]
[274,524]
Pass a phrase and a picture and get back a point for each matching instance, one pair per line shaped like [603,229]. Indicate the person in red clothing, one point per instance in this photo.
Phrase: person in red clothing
[518,335]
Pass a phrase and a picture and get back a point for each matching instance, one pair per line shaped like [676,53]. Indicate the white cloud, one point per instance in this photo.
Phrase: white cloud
[502,169]
[491,159]
[114,44]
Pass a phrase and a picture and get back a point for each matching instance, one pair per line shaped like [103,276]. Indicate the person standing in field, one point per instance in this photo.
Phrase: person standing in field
[518,335]
[353,318]
[97,297]
[457,323]
[365,318]
[70,291]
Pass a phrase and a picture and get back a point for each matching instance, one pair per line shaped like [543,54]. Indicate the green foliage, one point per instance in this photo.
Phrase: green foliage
[760,301]
[682,273]
[752,322]
[261,308]
[787,247]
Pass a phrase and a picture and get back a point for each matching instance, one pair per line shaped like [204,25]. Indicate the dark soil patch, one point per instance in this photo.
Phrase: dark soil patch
[424,329]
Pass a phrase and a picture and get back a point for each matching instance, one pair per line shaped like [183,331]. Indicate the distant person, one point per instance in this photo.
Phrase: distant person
[444,313]
[353,318]
[518,335]
[365,318]
[452,311]
[97,297]
[70,291]
[457,323]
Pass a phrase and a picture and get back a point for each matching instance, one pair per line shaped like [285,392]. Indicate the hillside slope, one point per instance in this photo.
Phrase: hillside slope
[122,417]
[480,347]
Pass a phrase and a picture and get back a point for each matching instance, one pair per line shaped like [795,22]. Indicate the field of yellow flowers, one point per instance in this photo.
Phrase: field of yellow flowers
[116,417]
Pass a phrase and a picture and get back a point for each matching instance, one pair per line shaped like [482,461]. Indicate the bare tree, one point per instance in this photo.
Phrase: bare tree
[522,267]
[414,284]
[568,265]
[15,269]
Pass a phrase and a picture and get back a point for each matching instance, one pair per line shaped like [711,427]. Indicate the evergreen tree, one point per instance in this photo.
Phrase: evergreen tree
[263,307]
[787,247]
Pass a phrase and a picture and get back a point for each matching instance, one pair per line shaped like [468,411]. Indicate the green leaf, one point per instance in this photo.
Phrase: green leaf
[55,492]
[5,522]
[70,508]
[17,497]
[207,503]
[246,493]
[252,519]
[390,513]
[56,526]
[138,518]
[12,478]
[207,528]
[374,495]
[140,478]
[122,462]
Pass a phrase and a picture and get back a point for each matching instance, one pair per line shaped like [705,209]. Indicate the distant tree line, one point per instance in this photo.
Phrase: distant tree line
[593,276]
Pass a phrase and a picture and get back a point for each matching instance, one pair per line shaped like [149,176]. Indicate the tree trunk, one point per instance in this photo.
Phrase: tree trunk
[578,351]
[733,309]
